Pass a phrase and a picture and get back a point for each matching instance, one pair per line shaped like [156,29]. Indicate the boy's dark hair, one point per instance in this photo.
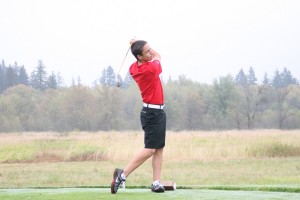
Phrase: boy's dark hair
[137,48]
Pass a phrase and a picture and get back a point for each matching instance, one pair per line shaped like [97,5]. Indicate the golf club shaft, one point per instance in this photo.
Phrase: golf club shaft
[123,61]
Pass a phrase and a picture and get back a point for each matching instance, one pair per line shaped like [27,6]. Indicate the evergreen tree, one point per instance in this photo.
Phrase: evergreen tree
[251,77]
[287,78]
[38,78]
[103,79]
[108,78]
[2,76]
[283,79]
[241,78]
[23,77]
[266,80]
[277,81]
[52,81]
[59,80]
[111,76]
[11,77]
[128,80]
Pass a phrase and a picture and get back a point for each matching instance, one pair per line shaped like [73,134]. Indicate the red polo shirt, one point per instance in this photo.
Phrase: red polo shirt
[147,78]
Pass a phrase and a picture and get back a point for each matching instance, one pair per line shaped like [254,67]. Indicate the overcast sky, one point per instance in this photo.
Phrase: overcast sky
[202,39]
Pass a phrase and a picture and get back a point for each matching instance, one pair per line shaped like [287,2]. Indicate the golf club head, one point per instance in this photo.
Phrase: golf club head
[118,83]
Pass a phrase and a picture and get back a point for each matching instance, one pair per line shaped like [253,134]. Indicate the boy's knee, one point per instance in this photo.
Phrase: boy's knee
[151,152]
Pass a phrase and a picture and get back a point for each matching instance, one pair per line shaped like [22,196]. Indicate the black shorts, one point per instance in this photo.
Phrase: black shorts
[154,125]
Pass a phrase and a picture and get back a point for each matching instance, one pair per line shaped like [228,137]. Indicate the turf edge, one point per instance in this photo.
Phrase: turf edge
[292,189]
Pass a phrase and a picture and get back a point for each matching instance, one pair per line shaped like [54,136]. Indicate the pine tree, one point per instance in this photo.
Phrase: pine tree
[266,80]
[38,78]
[23,77]
[277,81]
[111,77]
[251,79]
[108,78]
[59,80]
[52,81]
[241,78]
[2,76]
[128,80]
[11,77]
[287,78]
[103,79]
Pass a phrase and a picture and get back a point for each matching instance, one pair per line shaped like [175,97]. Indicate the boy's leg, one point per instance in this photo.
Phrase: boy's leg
[157,163]
[157,157]
[120,175]
[138,159]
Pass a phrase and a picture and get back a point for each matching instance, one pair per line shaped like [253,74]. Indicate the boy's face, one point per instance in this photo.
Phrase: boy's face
[147,54]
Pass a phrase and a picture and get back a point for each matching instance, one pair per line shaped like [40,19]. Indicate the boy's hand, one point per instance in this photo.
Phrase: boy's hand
[132,41]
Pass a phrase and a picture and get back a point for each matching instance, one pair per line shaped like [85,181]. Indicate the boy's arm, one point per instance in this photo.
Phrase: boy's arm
[156,56]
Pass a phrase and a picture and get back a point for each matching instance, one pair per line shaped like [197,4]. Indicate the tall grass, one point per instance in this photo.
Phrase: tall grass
[263,157]
[121,146]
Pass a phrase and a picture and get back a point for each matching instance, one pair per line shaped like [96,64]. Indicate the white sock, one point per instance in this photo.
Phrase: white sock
[123,176]
[156,182]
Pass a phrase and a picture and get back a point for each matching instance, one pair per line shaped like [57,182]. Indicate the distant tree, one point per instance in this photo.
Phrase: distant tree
[184,81]
[78,81]
[23,77]
[11,77]
[254,97]
[128,80]
[59,80]
[103,78]
[73,82]
[120,81]
[283,107]
[111,76]
[52,81]
[38,78]
[108,78]
[251,78]
[287,78]
[241,78]
[222,100]
[194,110]
[280,82]
[170,79]
[277,80]
[266,80]
[2,76]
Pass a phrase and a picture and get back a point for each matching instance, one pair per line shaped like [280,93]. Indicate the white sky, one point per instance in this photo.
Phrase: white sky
[202,39]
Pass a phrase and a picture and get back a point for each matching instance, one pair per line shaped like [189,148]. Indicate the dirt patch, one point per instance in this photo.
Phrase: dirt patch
[88,157]
[51,158]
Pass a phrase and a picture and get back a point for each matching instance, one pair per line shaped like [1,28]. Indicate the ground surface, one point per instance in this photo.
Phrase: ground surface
[145,194]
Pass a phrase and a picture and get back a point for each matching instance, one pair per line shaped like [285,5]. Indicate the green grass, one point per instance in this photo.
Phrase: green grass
[138,194]
[273,171]
[245,164]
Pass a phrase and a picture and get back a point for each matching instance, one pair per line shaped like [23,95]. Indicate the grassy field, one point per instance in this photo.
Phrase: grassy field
[233,160]
[138,194]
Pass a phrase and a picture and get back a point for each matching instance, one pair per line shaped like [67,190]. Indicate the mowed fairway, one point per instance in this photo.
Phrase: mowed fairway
[262,164]
[138,194]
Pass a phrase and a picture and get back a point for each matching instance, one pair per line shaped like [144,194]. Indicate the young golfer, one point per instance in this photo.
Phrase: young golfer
[145,71]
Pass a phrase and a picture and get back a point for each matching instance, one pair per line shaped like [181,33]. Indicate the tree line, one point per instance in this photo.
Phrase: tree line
[13,75]
[238,102]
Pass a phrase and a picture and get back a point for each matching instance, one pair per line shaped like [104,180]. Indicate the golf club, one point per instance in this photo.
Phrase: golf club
[118,81]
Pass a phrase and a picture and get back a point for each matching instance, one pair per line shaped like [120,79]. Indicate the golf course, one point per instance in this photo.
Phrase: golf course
[258,164]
